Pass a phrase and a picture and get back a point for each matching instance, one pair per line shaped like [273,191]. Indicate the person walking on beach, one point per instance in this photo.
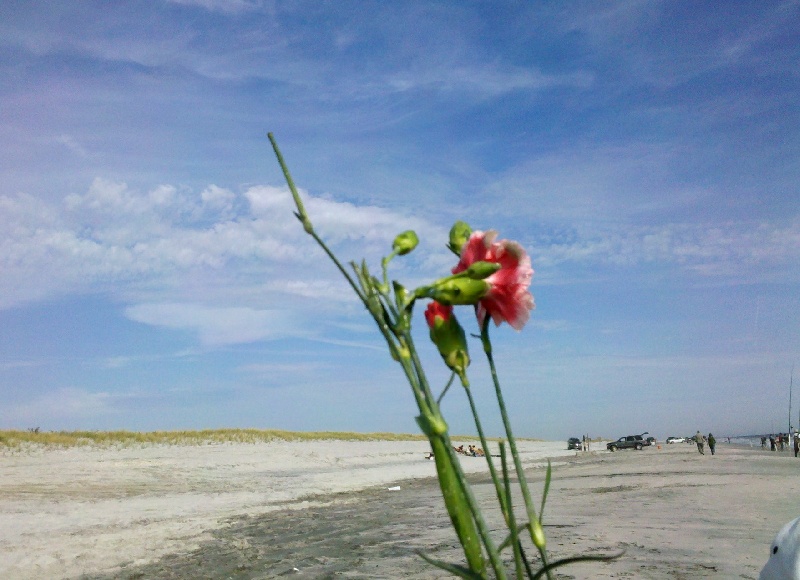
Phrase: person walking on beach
[700,440]
[712,443]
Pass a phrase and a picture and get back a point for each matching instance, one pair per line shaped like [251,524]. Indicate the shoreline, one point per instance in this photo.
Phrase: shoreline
[668,508]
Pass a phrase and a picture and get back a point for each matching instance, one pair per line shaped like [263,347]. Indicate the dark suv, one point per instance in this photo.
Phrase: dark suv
[628,442]
[574,443]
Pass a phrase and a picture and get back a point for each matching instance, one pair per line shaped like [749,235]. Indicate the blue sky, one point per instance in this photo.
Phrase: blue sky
[647,155]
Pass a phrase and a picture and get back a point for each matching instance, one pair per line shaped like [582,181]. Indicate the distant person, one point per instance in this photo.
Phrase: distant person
[763,443]
[796,444]
[701,441]
[712,443]
[772,446]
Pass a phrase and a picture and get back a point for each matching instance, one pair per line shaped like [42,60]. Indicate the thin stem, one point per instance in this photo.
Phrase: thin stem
[537,534]
[301,210]
[483,529]
[510,520]
[446,388]
[492,470]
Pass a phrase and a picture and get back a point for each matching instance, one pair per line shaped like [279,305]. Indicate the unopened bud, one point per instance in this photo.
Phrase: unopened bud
[448,336]
[454,291]
[537,534]
[459,234]
[481,270]
[405,243]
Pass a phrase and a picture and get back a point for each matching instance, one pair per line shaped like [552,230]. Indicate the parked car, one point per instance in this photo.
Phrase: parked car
[574,443]
[675,439]
[628,442]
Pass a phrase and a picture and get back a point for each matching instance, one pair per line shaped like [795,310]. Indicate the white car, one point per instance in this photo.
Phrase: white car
[675,439]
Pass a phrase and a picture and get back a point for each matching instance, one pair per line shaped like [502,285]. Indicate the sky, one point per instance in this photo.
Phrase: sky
[645,154]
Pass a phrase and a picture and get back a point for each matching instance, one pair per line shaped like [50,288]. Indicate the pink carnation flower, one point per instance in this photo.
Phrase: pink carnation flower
[508,299]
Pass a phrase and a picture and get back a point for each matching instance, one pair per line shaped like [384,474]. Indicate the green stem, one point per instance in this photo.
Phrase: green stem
[483,529]
[510,519]
[456,503]
[536,531]
[492,471]
[301,210]
[446,388]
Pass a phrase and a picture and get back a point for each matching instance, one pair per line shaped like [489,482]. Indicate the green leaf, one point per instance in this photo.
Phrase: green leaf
[547,477]
[574,560]
[455,569]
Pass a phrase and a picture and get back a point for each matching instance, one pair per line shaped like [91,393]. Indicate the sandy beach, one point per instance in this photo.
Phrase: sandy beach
[324,509]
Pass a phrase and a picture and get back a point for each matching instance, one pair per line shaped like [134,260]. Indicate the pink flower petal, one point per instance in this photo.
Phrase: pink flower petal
[508,299]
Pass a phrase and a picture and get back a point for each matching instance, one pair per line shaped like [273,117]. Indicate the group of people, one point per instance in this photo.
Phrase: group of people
[471,451]
[781,442]
[701,441]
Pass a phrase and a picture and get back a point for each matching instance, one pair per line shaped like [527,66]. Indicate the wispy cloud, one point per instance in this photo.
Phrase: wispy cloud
[181,259]
[154,246]
[220,326]
[723,253]
[61,406]
[225,6]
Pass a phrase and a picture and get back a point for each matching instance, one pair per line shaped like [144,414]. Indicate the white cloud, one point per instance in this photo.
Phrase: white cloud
[598,183]
[744,251]
[168,244]
[219,326]
[225,6]
[336,220]
[62,405]
[485,81]
[239,254]
[73,145]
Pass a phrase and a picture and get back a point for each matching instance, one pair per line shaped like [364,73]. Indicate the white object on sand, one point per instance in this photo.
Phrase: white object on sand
[395,488]
[784,554]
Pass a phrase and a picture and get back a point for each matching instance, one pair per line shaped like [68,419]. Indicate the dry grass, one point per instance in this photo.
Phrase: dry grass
[12,440]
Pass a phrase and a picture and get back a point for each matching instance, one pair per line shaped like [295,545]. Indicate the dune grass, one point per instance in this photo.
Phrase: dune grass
[13,439]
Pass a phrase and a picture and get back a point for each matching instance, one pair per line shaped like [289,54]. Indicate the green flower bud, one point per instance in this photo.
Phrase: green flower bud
[459,234]
[537,534]
[405,243]
[448,336]
[454,291]
[481,270]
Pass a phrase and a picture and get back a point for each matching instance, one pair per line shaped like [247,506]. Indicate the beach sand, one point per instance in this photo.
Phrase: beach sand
[325,509]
